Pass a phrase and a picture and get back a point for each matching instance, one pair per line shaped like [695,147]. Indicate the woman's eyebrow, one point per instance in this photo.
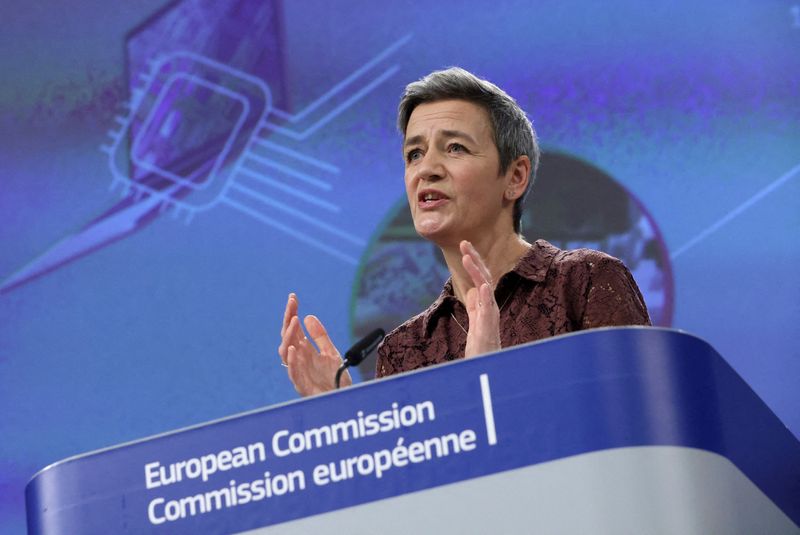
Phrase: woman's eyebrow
[413,140]
[447,134]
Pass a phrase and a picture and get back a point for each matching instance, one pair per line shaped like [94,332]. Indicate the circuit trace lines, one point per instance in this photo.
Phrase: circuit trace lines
[199,134]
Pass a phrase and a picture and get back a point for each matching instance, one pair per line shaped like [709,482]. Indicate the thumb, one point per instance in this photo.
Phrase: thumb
[319,334]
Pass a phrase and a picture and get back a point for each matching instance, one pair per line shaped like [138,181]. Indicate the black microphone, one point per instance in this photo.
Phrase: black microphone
[359,351]
[363,347]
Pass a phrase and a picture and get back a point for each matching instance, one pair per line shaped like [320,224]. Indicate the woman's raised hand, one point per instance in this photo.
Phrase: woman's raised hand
[312,360]
[484,315]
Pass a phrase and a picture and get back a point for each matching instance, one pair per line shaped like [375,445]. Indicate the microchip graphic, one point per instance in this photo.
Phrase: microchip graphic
[191,118]
[201,131]
[201,135]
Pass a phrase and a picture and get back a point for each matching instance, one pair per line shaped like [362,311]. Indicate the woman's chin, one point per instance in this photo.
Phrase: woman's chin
[432,231]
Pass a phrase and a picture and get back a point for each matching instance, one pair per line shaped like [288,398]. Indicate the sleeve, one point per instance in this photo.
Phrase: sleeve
[402,349]
[384,364]
[611,296]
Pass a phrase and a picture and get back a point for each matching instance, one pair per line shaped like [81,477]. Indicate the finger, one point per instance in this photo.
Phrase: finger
[282,354]
[471,303]
[489,317]
[300,360]
[320,336]
[473,270]
[301,342]
[486,301]
[294,371]
[289,312]
[292,336]
[486,313]
[478,259]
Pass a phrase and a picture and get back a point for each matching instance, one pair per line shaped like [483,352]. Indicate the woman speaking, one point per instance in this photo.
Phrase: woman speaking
[470,158]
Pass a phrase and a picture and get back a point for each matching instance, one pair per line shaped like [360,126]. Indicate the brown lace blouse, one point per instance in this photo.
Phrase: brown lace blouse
[549,292]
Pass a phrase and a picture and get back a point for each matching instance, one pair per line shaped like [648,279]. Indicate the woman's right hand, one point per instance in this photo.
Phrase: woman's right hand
[482,310]
[312,366]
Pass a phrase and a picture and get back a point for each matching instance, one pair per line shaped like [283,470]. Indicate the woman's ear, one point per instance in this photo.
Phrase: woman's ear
[518,175]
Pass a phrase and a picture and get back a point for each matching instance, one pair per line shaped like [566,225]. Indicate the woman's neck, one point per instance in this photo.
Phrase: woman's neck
[499,255]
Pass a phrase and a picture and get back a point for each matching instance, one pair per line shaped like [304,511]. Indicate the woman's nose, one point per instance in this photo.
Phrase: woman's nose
[431,167]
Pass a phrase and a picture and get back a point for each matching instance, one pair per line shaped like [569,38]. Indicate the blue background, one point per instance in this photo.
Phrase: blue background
[692,108]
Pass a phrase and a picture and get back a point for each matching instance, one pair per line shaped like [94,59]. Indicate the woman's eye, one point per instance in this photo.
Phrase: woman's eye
[413,155]
[457,147]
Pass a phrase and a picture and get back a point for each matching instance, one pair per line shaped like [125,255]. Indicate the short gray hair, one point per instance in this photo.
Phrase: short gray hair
[513,132]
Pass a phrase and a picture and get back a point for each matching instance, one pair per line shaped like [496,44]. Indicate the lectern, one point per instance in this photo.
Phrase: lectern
[624,430]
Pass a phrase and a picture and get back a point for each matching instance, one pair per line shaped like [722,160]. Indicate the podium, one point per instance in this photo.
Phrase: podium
[623,430]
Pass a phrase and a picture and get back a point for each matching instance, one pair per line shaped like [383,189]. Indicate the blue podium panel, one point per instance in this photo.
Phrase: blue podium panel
[615,429]
[641,490]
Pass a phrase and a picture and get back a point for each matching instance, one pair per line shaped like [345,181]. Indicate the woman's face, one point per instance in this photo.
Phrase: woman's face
[453,181]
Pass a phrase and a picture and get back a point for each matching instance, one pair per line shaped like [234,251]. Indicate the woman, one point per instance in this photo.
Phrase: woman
[470,158]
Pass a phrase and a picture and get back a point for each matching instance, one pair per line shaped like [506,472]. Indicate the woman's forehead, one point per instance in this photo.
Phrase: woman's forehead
[448,117]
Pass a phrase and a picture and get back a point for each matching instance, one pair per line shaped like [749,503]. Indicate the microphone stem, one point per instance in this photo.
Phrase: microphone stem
[339,373]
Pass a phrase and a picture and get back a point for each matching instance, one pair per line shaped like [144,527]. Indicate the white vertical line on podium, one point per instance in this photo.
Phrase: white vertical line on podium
[488,413]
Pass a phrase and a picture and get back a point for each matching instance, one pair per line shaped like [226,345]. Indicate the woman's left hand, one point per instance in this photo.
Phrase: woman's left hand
[484,315]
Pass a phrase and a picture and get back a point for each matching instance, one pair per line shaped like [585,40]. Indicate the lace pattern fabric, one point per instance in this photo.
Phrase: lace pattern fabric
[549,292]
